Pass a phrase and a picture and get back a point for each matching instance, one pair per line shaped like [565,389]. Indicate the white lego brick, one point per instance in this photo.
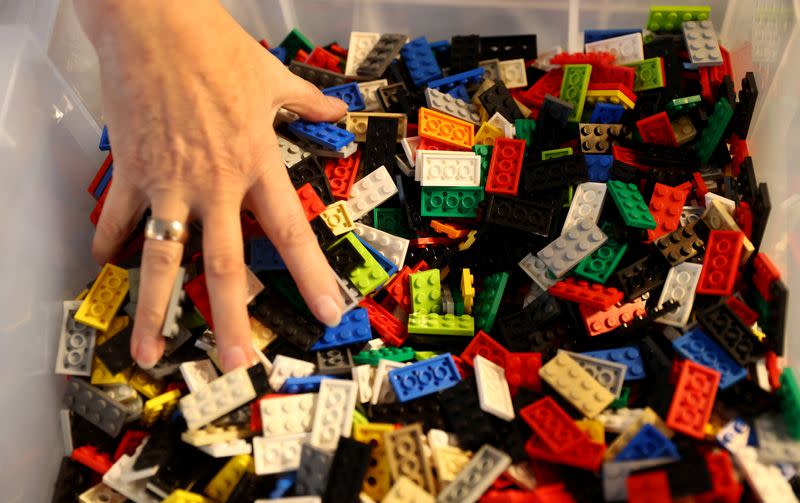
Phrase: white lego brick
[65,421]
[680,286]
[369,93]
[288,415]
[227,449]
[361,43]
[616,421]
[291,153]
[212,434]
[702,43]
[334,413]
[691,214]
[130,475]
[537,270]
[443,169]
[390,246]
[491,69]
[625,48]
[509,131]
[572,246]
[762,375]
[363,376]
[293,499]
[198,374]
[278,454]
[512,73]
[403,166]
[493,392]
[284,367]
[221,396]
[615,475]
[497,120]
[101,493]
[610,374]
[170,328]
[453,106]
[543,58]
[370,192]
[382,391]
[410,144]
[476,477]
[135,491]
[76,343]
[422,154]
[440,438]
[766,481]
[376,344]
[254,285]
[587,203]
[448,460]
[726,203]
[775,445]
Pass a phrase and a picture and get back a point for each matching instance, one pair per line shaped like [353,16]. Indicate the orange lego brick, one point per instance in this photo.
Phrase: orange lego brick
[445,128]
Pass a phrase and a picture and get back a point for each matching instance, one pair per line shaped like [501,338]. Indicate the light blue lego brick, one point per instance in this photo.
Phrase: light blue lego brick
[322,133]
[627,355]
[282,485]
[308,384]
[264,256]
[590,36]
[463,78]
[101,187]
[424,377]
[695,345]
[386,264]
[349,93]
[279,52]
[460,92]
[420,61]
[105,144]
[353,329]
[649,443]
[599,166]
[606,113]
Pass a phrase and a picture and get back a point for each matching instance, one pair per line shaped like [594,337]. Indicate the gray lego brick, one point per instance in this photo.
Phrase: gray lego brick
[312,475]
[174,310]
[475,478]
[95,406]
[575,244]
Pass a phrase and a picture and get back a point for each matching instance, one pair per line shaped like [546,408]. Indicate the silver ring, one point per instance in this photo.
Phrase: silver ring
[165,230]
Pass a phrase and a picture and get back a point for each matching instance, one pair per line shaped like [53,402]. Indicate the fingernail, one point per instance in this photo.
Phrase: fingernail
[233,357]
[336,102]
[145,355]
[327,310]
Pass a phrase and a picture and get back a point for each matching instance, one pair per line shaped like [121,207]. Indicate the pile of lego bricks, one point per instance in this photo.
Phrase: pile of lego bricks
[553,288]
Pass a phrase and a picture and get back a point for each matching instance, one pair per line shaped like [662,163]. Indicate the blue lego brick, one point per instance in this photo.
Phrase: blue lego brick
[101,187]
[420,61]
[460,92]
[322,133]
[599,166]
[308,384]
[282,485]
[607,113]
[590,36]
[626,355]
[464,78]
[105,145]
[424,377]
[353,329]
[386,264]
[440,45]
[264,256]
[348,93]
[649,443]
[279,52]
[695,345]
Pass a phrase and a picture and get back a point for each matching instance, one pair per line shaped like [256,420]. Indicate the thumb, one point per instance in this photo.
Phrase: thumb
[303,98]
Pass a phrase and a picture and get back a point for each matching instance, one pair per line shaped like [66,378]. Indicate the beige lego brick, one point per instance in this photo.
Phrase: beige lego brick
[405,449]
[576,385]
[356,123]
[448,461]
[406,491]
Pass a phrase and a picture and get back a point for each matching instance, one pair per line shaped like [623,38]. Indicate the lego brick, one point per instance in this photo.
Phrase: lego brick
[465,50]
[477,476]
[587,203]
[680,287]
[322,133]
[721,324]
[488,301]
[711,135]
[379,148]
[446,129]
[449,169]
[723,252]
[574,87]
[626,355]
[616,473]
[353,329]
[498,100]
[491,69]
[625,48]
[684,129]
[287,415]
[694,397]
[405,450]
[666,206]
[455,79]
[506,166]
[264,256]
[615,97]
[333,416]
[277,314]
[381,55]
[651,486]
[278,454]
[95,406]
[426,292]
[76,343]
[104,298]
[335,361]
[460,109]
[680,245]
[440,151]
[649,74]
[590,397]
[378,477]
[369,275]
[701,41]
[341,174]
[197,374]
[467,290]
[718,218]
[648,443]
[602,262]
[775,445]
[450,201]
[370,192]
[405,490]
[349,93]
[606,113]
[657,129]
[493,392]
[512,73]
[552,424]
[520,214]
[284,367]
[220,397]
[610,374]
[670,19]
[537,270]
[420,61]
[576,243]
[361,43]
[488,134]
[647,416]
[559,173]
[598,138]
[135,490]
[348,469]
[631,205]
[310,201]
[312,474]
[423,378]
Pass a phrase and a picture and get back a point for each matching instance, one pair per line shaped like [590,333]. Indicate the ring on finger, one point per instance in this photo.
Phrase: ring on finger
[166,230]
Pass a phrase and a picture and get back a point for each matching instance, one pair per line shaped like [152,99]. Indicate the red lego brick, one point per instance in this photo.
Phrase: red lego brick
[716,74]
[482,344]
[649,487]
[657,129]
[463,368]
[725,485]
[399,290]
[706,91]
[610,86]
[431,241]
[389,328]
[743,216]
[742,310]
[522,370]
[773,370]
[700,189]
[197,291]
[600,321]
[583,58]
[587,455]
[550,83]
[129,442]
[309,199]
[553,493]
[338,50]
[92,188]
[301,56]
[342,173]
[507,496]
[89,456]
[593,295]
[250,226]
[738,150]
[553,426]
[666,205]
[94,216]
[628,156]
[264,43]
[321,58]
[506,166]
[429,144]
[611,74]
[723,254]
[693,400]
[764,275]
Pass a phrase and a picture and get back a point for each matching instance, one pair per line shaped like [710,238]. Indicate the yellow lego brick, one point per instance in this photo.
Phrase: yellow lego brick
[212,434]
[338,219]
[181,496]
[104,298]
[758,333]
[405,490]
[469,241]
[467,290]
[615,97]
[160,407]
[224,482]
[102,376]
[82,295]
[261,335]
[115,327]
[377,481]
[448,461]
[145,384]
[575,384]
[487,134]
[356,123]
[594,429]
[648,416]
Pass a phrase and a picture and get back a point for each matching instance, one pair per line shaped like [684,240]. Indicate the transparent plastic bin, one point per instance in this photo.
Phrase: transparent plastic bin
[50,117]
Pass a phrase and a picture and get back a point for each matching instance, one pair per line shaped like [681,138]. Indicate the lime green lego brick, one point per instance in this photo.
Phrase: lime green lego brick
[574,85]
[373,356]
[359,418]
[488,301]
[524,129]
[622,400]
[452,202]
[570,194]
[789,394]
[649,74]
[672,17]
[556,153]
[485,151]
[599,266]
[426,291]
[391,220]
[709,138]
[441,324]
[424,355]
[631,205]
[370,275]
[679,105]
[295,41]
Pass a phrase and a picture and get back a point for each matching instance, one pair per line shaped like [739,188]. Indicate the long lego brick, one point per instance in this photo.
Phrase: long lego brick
[322,133]
[458,108]
[450,169]
[602,321]
[702,43]
[95,406]
[723,254]
[441,324]
[476,476]
[104,298]
[576,385]
[592,295]
[506,166]
[381,55]
[574,87]
[221,396]
[75,345]
[627,47]
[424,377]
[520,214]
[680,286]
[721,324]
[333,416]
[695,345]
[554,426]
[666,205]
[453,202]
[446,129]
[370,192]
[405,450]
[693,399]
[715,128]
[578,242]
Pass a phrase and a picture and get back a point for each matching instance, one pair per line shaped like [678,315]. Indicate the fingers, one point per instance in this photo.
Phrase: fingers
[123,207]
[223,260]
[303,97]
[160,263]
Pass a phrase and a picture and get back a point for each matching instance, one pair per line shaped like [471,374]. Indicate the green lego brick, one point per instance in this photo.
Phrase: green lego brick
[485,151]
[391,220]
[622,400]
[631,205]
[599,266]
[370,275]
[573,88]
[488,301]
[359,418]
[679,105]
[373,356]
[714,129]
[671,18]
[295,41]
[524,130]
[458,300]
[556,153]
[192,319]
[789,394]
[649,74]
[441,324]
[284,283]
[424,355]
[451,201]
[426,291]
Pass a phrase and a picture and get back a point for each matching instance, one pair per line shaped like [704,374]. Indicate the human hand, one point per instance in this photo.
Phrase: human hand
[189,98]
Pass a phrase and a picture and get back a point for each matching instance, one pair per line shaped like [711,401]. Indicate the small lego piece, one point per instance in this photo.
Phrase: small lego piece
[680,287]
[424,377]
[630,204]
[450,201]
[493,391]
[460,109]
[506,165]
[349,93]
[76,343]
[591,295]
[702,43]
[711,135]
[322,133]
[426,292]
[590,397]
[278,454]
[666,206]
[598,138]
[349,465]
[361,43]
[576,243]
[104,298]
[649,74]
[625,48]
[694,397]
[587,203]
[552,424]
[488,300]
[446,129]
[95,406]
[648,443]
[333,416]
[370,192]
[467,290]
[574,87]
[381,55]
[657,129]
[723,252]
[476,477]
[610,374]
[220,397]
[312,474]
[449,169]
